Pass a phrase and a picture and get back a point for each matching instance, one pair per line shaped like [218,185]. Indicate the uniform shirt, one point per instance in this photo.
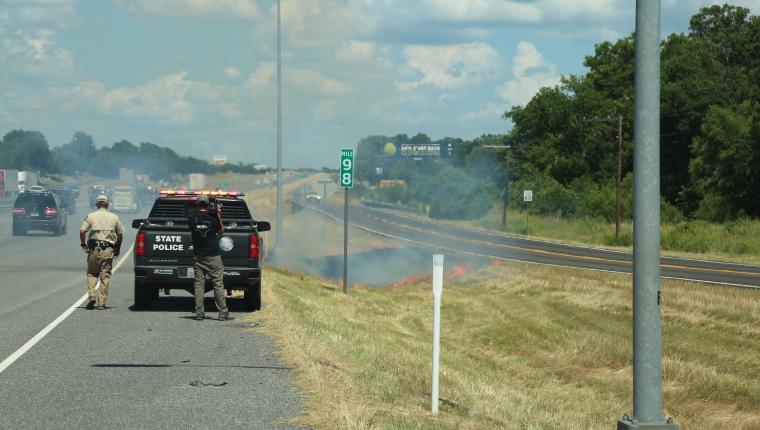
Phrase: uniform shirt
[204,228]
[103,225]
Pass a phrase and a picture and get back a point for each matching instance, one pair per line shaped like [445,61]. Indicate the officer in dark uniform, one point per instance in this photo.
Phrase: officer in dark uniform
[206,228]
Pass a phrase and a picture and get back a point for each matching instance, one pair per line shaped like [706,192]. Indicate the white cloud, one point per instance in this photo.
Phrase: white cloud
[33,51]
[491,12]
[356,51]
[52,13]
[224,9]
[313,82]
[164,100]
[232,72]
[263,75]
[450,66]
[303,81]
[531,72]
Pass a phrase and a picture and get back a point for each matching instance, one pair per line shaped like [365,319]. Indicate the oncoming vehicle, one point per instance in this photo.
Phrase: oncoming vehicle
[163,257]
[313,198]
[38,211]
[123,199]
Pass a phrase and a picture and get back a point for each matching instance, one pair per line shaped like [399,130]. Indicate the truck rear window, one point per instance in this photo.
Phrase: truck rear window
[182,208]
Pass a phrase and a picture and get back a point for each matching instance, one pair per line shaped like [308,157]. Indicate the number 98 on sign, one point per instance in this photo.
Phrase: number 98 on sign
[347,167]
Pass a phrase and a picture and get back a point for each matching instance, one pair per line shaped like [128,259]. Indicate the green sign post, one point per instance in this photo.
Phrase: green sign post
[346,181]
[347,168]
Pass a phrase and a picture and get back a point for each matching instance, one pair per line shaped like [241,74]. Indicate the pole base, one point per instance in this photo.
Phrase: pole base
[628,423]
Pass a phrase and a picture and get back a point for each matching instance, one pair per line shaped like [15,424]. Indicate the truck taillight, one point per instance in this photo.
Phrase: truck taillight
[19,211]
[140,245]
[51,211]
[254,246]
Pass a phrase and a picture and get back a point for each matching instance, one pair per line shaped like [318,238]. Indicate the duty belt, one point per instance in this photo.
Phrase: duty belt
[102,244]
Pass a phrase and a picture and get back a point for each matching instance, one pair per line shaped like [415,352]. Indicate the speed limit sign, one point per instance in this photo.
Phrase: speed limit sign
[527,195]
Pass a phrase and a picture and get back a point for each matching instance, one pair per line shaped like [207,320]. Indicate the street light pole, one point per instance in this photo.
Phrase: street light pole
[647,317]
[278,191]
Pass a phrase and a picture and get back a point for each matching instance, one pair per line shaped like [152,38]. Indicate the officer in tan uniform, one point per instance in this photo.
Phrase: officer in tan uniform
[104,243]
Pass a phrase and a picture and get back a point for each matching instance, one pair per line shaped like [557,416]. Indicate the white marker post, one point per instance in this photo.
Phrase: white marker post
[437,291]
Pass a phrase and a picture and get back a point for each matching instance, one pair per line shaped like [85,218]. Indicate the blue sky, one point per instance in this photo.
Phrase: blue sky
[199,75]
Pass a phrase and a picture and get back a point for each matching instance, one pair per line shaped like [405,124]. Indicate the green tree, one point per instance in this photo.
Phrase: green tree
[724,170]
[77,155]
[26,150]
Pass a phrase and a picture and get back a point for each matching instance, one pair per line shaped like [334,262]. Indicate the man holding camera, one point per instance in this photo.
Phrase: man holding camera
[104,243]
[206,227]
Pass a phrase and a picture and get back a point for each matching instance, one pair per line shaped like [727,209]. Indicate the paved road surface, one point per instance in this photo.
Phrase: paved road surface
[122,369]
[444,238]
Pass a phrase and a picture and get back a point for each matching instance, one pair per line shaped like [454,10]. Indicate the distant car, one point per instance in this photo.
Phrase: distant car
[123,199]
[38,211]
[68,197]
[313,198]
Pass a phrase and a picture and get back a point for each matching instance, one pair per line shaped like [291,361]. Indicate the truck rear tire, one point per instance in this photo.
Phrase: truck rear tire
[144,295]
[252,297]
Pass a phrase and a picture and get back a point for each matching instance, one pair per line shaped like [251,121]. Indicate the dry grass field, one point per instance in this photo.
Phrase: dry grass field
[523,347]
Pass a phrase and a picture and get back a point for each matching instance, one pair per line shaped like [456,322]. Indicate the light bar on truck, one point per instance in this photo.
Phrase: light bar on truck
[202,192]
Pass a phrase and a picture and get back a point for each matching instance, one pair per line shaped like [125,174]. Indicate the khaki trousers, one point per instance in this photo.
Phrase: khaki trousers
[215,269]
[99,262]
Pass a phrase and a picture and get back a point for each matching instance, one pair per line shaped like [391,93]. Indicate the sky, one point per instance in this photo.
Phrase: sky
[199,76]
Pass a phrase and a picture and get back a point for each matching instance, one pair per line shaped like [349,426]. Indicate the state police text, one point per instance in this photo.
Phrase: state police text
[168,243]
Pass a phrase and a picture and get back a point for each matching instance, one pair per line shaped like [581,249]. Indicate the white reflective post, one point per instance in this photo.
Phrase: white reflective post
[437,291]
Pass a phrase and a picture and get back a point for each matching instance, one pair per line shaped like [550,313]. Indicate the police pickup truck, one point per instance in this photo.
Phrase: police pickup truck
[163,254]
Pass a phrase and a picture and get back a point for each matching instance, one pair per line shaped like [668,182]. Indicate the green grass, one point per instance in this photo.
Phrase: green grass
[523,347]
[735,240]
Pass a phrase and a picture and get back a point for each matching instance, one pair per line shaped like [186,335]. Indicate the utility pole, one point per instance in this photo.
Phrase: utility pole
[618,178]
[647,317]
[278,192]
[505,202]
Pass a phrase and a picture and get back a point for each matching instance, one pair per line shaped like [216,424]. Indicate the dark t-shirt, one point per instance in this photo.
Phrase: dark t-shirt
[205,240]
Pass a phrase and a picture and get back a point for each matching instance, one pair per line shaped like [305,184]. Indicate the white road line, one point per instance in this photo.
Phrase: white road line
[33,341]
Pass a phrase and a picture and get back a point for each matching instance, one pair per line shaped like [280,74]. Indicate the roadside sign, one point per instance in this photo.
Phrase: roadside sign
[347,167]
[527,195]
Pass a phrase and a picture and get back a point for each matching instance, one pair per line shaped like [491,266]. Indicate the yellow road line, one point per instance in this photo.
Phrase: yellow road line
[564,254]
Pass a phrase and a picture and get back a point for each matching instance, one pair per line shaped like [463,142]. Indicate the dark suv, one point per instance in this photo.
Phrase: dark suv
[38,211]
[163,255]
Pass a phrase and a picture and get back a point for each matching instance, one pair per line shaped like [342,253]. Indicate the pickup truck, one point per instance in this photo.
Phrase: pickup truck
[163,256]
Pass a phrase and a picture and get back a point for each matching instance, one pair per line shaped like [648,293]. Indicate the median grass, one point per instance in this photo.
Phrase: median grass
[732,240]
[523,347]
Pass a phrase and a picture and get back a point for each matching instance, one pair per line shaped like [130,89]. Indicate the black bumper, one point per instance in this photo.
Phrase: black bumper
[41,224]
[178,277]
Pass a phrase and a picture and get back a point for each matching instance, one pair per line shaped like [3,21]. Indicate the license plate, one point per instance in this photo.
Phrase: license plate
[35,214]
[188,273]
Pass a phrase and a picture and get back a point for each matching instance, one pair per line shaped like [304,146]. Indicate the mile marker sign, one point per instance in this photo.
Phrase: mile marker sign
[347,167]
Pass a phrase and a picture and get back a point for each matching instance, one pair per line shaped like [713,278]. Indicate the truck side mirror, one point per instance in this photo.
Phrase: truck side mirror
[263,226]
[137,222]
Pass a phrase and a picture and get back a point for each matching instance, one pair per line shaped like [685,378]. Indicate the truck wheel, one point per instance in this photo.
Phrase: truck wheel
[252,297]
[144,295]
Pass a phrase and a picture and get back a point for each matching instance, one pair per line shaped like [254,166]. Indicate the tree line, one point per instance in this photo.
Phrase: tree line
[562,147]
[29,150]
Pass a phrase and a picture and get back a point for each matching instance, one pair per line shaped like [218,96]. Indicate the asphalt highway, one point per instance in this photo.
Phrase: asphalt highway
[118,368]
[418,232]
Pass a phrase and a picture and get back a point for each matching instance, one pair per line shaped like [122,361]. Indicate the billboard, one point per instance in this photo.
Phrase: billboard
[420,150]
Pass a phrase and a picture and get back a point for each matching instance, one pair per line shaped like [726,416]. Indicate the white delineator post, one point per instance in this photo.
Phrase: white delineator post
[437,291]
